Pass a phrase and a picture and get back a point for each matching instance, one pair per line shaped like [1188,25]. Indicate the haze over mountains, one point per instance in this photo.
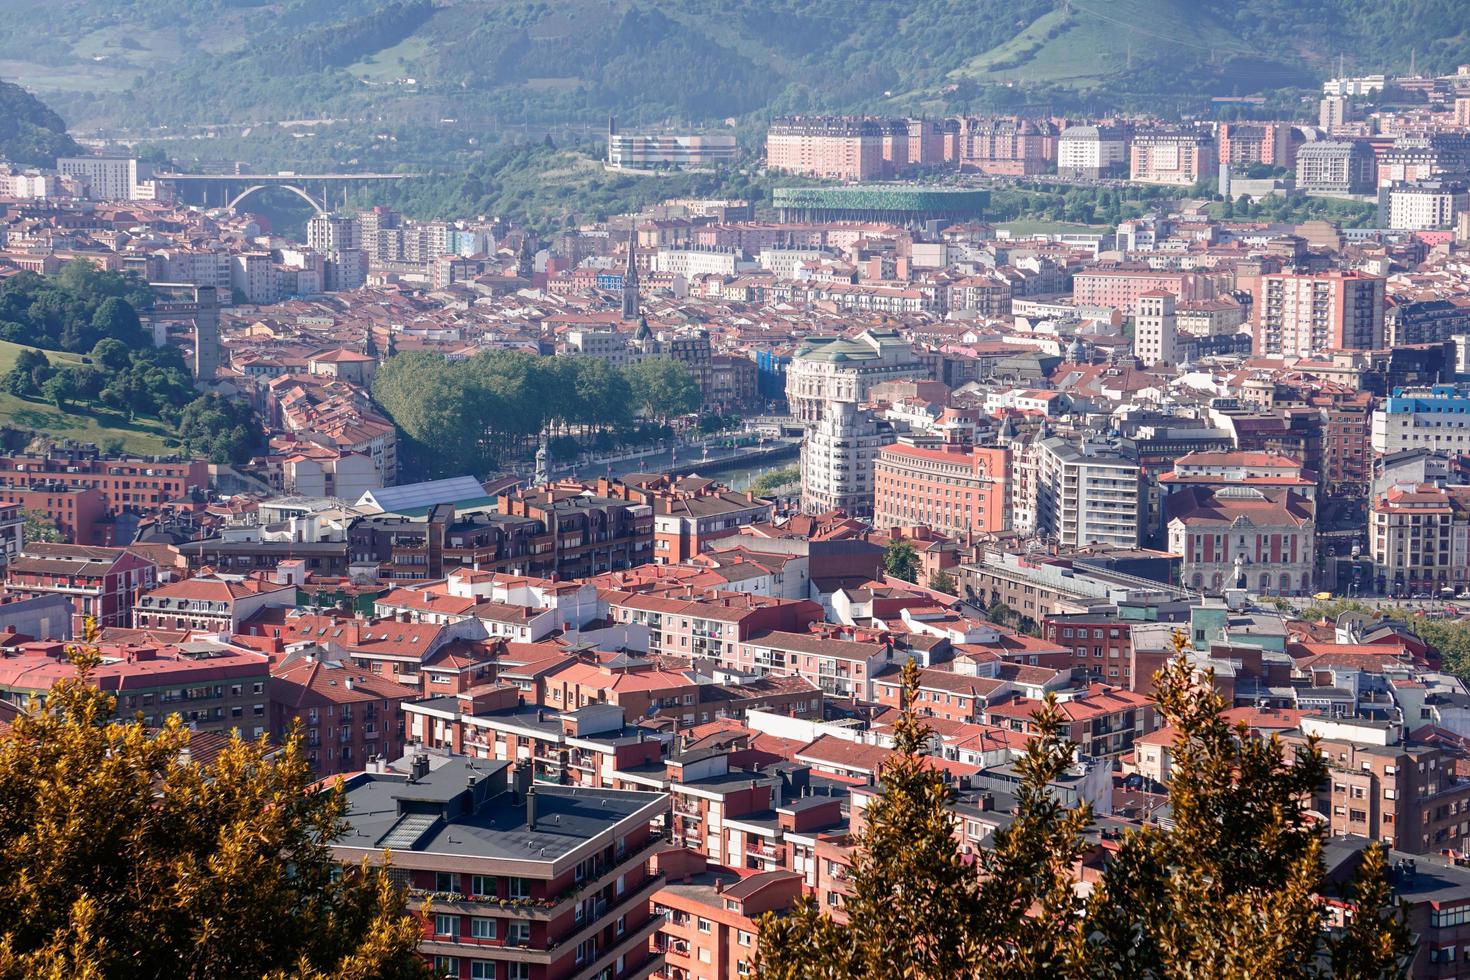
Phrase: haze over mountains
[190,62]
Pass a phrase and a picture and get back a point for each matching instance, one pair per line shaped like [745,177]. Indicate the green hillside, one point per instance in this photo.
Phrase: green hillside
[366,72]
[30,133]
[100,425]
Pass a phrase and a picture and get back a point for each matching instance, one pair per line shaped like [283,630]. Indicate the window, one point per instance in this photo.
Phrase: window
[520,888]
[518,971]
[446,881]
[446,966]
[743,938]
[482,970]
[446,925]
[704,955]
[482,928]
[483,886]
[518,933]
[704,925]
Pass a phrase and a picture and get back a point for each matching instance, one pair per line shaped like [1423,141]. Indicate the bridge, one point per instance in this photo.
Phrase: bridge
[228,190]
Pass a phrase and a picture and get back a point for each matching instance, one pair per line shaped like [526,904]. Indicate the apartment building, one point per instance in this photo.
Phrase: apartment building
[953,489]
[838,460]
[1007,145]
[1103,722]
[1417,537]
[710,915]
[1120,287]
[1336,167]
[713,625]
[1426,205]
[1310,314]
[1156,329]
[522,880]
[837,148]
[216,604]
[214,687]
[1171,157]
[1091,152]
[1270,143]
[1407,796]
[348,716]
[129,484]
[1087,495]
[1436,417]
[103,584]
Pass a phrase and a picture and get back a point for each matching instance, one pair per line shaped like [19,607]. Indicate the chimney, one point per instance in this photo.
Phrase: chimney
[531,808]
[719,886]
[420,768]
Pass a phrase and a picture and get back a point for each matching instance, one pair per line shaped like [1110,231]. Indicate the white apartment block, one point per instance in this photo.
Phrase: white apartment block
[1086,495]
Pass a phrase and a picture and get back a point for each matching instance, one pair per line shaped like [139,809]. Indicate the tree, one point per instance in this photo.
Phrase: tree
[1376,935]
[663,388]
[918,907]
[1002,614]
[942,581]
[1229,889]
[222,429]
[123,858]
[39,527]
[60,388]
[900,560]
[20,380]
[110,354]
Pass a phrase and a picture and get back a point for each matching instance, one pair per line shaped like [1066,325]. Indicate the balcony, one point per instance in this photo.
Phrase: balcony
[766,852]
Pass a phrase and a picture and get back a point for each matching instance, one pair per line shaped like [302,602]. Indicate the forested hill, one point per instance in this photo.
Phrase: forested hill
[30,133]
[513,62]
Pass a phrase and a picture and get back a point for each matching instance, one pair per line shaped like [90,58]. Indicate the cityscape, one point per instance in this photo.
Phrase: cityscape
[986,525]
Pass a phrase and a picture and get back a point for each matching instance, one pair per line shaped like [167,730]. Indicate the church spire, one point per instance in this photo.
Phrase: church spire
[630,276]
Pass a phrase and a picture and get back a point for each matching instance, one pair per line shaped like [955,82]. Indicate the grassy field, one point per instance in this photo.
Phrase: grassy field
[99,425]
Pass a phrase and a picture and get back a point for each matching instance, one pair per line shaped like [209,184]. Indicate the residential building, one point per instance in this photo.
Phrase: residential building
[78,513]
[1155,329]
[1087,494]
[1264,536]
[523,880]
[348,716]
[1336,167]
[836,148]
[1171,157]
[1436,417]
[838,459]
[108,178]
[953,489]
[688,523]
[1379,786]
[710,915]
[129,484]
[103,584]
[214,687]
[1120,287]
[1103,722]
[1007,145]
[1426,205]
[1270,143]
[217,604]
[1091,152]
[1413,537]
[327,232]
[1309,314]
